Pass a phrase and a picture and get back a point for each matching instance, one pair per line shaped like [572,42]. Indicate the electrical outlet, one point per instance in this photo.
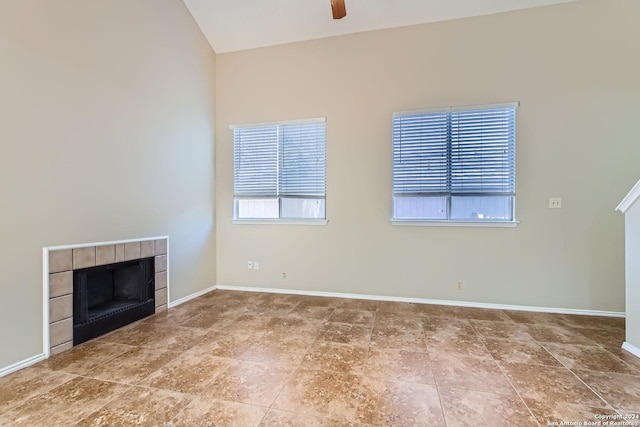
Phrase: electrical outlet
[284,276]
[460,286]
[555,203]
[249,265]
[256,265]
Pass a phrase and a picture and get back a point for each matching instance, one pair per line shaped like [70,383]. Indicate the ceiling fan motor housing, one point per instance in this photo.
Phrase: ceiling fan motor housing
[339,9]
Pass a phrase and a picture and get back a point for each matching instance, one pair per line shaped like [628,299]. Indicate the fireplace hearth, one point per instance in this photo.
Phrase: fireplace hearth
[110,296]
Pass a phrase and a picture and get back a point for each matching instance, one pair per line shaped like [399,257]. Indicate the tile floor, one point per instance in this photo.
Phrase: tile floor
[248,359]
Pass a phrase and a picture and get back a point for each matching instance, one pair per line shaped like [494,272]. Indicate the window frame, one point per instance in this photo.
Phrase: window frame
[448,222]
[278,197]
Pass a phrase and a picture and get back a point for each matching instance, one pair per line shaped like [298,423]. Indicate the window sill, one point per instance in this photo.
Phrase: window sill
[280,221]
[494,224]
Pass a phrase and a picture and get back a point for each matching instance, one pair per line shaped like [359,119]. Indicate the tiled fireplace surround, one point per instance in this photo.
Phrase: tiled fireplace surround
[62,261]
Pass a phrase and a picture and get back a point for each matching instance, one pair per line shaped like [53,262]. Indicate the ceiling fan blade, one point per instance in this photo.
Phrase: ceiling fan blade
[338,8]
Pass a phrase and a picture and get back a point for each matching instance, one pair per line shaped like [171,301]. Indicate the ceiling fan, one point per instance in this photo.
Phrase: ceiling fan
[338,9]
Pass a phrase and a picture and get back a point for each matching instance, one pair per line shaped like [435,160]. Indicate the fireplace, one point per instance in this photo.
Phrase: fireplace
[61,262]
[110,296]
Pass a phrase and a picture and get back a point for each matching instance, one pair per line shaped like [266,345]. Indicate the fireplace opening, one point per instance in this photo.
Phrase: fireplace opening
[110,296]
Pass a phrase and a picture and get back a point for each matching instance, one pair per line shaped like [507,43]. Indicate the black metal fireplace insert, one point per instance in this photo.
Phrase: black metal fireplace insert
[110,296]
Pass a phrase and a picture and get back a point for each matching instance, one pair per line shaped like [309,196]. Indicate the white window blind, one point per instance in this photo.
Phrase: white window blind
[256,161]
[455,165]
[280,170]
[302,160]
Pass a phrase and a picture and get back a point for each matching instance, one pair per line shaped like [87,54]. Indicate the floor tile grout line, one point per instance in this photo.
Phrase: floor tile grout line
[289,377]
[359,392]
[437,386]
[38,394]
[104,362]
[580,379]
[517,392]
[109,402]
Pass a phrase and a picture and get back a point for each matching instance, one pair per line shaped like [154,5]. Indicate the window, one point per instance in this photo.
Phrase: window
[279,171]
[455,165]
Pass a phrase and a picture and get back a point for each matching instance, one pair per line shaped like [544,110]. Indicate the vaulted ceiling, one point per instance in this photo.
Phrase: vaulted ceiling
[232,25]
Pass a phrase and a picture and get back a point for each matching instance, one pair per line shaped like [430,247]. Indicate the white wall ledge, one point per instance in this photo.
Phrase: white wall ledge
[280,221]
[495,224]
[630,198]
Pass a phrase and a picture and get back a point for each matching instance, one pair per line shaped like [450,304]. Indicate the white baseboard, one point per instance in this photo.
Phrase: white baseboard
[22,364]
[428,301]
[631,349]
[190,297]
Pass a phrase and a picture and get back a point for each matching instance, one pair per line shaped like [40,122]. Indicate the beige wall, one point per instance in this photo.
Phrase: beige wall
[575,70]
[106,129]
